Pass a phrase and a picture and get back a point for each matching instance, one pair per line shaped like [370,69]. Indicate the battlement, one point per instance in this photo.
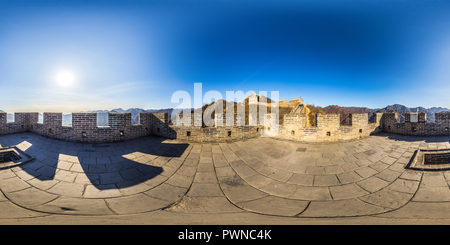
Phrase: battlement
[294,127]
[416,124]
[84,126]
[226,128]
[328,127]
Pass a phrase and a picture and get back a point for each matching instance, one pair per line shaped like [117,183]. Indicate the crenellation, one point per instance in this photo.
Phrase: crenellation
[359,119]
[84,127]
[328,127]
[442,117]
[422,117]
[421,127]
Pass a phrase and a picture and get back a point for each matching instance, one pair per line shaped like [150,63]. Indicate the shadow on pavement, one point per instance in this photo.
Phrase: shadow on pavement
[125,163]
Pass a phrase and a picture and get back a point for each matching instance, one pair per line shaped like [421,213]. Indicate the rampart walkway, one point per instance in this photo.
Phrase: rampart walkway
[289,181]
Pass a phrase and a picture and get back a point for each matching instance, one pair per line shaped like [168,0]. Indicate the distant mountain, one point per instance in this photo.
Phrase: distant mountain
[118,110]
[438,109]
[168,110]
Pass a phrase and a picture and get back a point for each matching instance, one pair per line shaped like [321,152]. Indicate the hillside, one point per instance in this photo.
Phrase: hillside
[313,111]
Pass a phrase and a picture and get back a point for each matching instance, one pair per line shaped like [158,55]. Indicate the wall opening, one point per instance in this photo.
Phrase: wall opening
[360,130]
[83,134]
[446,129]
[10,117]
[389,127]
[49,130]
[292,132]
[188,133]
[229,133]
[67,119]
[122,133]
[158,130]
[414,129]
[146,129]
[102,119]
[328,133]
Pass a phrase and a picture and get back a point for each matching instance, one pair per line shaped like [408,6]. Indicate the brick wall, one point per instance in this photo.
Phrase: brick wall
[440,127]
[84,126]
[328,127]
[220,132]
[294,128]
[21,122]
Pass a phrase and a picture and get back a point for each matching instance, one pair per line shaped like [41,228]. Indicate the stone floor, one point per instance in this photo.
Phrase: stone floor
[156,180]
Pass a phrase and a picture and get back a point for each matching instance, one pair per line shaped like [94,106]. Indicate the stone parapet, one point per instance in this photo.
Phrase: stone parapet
[421,127]
[328,127]
[84,127]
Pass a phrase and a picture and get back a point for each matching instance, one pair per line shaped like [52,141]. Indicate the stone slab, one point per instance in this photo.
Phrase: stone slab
[135,204]
[275,206]
[341,208]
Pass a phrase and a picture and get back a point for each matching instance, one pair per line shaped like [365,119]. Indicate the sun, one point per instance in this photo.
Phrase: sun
[65,78]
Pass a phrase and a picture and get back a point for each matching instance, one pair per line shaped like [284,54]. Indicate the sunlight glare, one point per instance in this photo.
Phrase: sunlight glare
[65,78]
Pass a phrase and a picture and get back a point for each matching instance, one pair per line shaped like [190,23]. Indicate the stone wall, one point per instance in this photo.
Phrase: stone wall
[214,134]
[160,126]
[328,127]
[84,126]
[20,124]
[294,128]
[421,127]
[220,132]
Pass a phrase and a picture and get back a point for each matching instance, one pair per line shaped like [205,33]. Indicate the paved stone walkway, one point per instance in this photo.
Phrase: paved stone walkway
[259,176]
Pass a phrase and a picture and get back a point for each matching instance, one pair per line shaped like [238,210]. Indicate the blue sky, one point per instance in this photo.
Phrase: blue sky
[138,53]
